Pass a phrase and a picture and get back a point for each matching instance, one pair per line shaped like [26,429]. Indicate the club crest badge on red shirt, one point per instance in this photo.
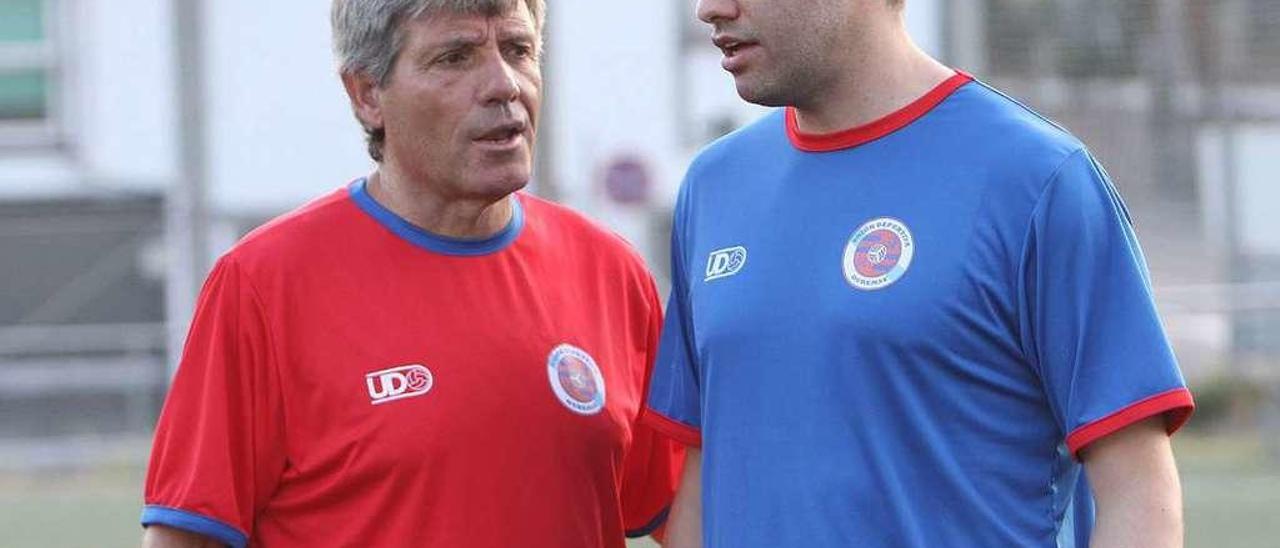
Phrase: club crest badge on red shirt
[576,380]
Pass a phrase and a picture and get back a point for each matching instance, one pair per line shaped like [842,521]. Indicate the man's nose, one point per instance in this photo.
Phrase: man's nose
[502,82]
[713,11]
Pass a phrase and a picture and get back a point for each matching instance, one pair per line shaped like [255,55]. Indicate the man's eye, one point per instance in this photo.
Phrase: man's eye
[454,58]
[520,51]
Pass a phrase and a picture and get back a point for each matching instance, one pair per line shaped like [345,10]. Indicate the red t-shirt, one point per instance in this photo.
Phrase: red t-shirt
[350,380]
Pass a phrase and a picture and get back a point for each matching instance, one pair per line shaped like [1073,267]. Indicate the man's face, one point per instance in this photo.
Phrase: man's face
[780,52]
[461,105]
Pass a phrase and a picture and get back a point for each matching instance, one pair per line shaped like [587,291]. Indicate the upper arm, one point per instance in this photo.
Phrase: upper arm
[1140,454]
[1135,485]
[159,536]
[684,529]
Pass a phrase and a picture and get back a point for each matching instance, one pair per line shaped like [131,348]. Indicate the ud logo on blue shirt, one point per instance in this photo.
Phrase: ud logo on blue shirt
[726,262]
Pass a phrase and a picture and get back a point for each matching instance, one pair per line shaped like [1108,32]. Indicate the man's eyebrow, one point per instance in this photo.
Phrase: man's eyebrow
[450,44]
[521,34]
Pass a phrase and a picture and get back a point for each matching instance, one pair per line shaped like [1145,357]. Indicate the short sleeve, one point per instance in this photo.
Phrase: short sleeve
[651,473]
[219,444]
[1089,318]
[674,401]
[653,463]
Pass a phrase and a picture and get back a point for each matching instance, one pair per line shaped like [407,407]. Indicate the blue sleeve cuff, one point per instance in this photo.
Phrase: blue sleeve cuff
[195,523]
[652,526]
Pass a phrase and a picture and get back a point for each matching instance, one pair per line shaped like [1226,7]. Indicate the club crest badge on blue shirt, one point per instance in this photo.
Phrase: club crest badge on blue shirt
[878,254]
[576,379]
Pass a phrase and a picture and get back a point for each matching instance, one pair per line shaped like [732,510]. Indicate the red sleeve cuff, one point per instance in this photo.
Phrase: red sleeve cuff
[672,428]
[1175,404]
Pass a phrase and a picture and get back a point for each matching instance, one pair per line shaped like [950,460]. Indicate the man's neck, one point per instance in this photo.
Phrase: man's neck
[885,72]
[420,205]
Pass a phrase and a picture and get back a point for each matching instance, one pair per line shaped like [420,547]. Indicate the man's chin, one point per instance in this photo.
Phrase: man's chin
[500,185]
[753,89]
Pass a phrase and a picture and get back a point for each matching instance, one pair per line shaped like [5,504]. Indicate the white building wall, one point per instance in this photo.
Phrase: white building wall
[119,105]
[924,22]
[611,91]
[124,97]
[279,126]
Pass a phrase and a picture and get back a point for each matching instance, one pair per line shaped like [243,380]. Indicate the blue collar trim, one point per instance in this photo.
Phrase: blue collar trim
[435,242]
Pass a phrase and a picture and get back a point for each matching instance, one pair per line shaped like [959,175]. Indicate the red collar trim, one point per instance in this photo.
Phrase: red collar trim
[849,138]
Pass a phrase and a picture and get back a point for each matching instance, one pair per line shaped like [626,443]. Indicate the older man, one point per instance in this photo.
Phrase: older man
[925,315]
[425,357]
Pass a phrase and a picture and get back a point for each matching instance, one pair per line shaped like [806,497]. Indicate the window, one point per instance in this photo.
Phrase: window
[29,74]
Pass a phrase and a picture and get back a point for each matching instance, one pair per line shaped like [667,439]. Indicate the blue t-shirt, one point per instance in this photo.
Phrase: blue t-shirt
[902,334]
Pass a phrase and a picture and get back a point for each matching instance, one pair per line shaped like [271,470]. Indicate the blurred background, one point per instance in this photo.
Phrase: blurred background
[140,138]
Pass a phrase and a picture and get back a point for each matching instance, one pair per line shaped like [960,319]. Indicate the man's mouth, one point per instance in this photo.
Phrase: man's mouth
[503,134]
[732,47]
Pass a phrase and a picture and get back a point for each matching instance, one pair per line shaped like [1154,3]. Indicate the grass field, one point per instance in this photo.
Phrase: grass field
[1232,493]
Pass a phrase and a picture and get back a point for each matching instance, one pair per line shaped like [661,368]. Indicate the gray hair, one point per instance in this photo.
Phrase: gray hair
[368,35]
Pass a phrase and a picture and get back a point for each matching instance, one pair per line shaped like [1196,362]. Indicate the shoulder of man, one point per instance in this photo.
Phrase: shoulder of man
[293,234]
[1027,138]
[581,233]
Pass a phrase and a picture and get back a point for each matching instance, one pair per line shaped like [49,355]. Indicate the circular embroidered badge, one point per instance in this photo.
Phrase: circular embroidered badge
[878,254]
[576,380]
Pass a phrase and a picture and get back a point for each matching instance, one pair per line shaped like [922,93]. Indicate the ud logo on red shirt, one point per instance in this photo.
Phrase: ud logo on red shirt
[398,383]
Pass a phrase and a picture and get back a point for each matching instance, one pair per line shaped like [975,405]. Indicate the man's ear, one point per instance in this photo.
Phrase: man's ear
[366,101]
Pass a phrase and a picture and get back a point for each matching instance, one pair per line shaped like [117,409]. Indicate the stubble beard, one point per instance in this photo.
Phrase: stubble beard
[782,88]
[797,74]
